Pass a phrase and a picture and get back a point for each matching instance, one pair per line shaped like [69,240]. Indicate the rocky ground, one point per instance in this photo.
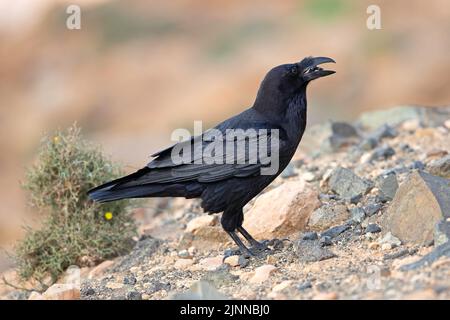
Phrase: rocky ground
[363,214]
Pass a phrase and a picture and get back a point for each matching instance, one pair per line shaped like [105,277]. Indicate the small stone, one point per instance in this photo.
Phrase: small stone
[357,214]
[440,167]
[386,246]
[192,251]
[262,273]
[289,171]
[129,279]
[374,245]
[373,228]
[417,165]
[335,231]
[356,199]
[87,291]
[211,263]
[232,261]
[372,208]
[382,153]
[62,291]
[308,176]
[327,216]
[368,144]
[347,184]
[184,254]
[384,131]
[326,296]
[387,186]
[145,296]
[388,238]
[325,241]
[114,285]
[281,286]
[134,295]
[310,236]
[183,263]
[311,251]
[271,259]
[447,124]
[441,232]
[304,285]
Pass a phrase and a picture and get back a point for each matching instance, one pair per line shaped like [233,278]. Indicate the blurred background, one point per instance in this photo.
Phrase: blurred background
[138,69]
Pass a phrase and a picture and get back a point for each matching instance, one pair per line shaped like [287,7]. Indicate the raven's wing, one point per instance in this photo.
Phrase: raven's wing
[248,162]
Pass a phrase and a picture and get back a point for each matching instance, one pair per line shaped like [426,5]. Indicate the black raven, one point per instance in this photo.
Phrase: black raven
[278,114]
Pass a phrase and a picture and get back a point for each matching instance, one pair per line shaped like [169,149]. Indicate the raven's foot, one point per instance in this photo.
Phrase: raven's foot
[242,248]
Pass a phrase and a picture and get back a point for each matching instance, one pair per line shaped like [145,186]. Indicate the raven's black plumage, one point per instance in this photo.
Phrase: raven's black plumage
[280,104]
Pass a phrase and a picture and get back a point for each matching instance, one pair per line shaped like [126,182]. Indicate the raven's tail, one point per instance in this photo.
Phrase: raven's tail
[120,189]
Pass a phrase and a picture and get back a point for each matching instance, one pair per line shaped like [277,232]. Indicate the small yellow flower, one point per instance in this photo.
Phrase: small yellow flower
[55,139]
[108,215]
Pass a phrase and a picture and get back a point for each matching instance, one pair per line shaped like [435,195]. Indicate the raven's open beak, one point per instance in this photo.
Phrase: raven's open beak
[312,71]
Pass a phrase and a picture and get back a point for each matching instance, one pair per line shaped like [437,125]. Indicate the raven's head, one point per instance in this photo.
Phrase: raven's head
[289,79]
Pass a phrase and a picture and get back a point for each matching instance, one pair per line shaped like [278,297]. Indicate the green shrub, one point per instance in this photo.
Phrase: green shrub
[75,230]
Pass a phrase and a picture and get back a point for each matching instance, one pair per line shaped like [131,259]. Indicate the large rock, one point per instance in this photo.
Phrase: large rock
[347,184]
[327,216]
[281,211]
[419,203]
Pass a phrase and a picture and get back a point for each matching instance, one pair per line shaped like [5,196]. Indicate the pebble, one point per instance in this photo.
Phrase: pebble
[325,241]
[372,208]
[281,286]
[447,124]
[114,285]
[129,279]
[211,263]
[304,285]
[262,273]
[357,214]
[134,295]
[183,263]
[374,245]
[232,260]
[308,176]
[335,231]
[184,254]
[310,236]
[373,228]
[326,296]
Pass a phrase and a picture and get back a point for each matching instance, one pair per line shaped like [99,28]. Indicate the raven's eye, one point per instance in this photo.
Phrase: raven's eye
[294,70]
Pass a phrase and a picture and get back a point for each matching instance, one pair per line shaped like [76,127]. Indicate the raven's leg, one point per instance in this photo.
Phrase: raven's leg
[244,250]
[230,220]
[250,239]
